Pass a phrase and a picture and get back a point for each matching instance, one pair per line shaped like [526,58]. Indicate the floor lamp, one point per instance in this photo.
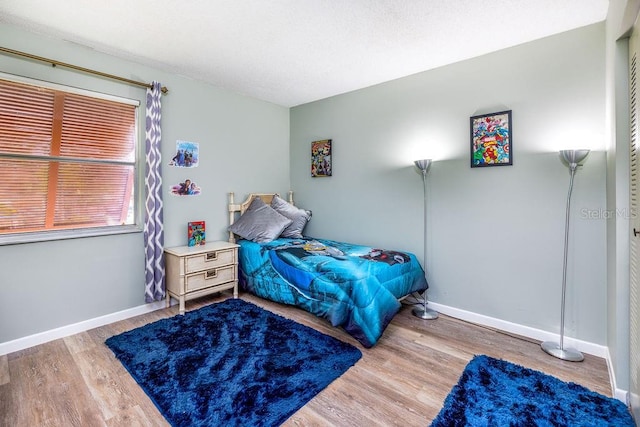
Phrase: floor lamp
[573,159]
[424,312]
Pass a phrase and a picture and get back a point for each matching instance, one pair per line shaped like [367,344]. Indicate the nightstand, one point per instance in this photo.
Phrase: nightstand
[195,271]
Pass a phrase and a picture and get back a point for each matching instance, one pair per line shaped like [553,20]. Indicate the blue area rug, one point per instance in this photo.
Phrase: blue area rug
[231,364]
[494,392]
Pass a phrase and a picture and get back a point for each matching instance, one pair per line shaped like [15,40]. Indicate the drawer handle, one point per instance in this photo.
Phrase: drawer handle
[212,256]
[212,273]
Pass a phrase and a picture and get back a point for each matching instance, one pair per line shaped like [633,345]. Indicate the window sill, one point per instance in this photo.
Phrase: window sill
[47,236]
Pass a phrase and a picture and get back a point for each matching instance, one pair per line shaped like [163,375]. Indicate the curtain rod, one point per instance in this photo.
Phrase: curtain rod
[54,63]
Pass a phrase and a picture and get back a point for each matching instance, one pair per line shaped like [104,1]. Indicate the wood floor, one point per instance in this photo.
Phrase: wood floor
[403,380]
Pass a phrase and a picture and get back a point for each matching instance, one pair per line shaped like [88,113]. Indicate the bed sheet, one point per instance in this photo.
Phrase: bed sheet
[353,286]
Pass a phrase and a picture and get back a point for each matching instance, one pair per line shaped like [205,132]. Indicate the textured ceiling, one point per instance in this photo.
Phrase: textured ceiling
[291,52]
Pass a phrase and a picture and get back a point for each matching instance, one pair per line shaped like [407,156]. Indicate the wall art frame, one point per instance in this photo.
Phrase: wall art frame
[492,139]
[321,164]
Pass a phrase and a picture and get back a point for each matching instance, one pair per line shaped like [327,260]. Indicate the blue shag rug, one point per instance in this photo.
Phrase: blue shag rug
[231,364]
[492,392]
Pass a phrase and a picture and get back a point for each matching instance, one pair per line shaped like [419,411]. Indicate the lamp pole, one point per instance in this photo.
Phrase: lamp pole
[424,312]
[573,159]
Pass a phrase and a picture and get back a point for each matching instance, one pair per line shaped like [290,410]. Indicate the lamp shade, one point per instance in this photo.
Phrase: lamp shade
[423,164]
[573,157]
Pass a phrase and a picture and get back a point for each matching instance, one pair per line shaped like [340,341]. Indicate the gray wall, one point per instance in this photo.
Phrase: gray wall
[244,146]
[495,235]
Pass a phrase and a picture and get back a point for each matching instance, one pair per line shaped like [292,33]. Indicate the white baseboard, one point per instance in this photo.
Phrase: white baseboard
[65,331]
[536,334]
[525,331]
[618,393]
[40,338]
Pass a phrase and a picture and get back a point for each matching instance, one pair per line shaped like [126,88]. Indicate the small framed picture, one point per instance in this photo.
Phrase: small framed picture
[196,233]
[321,158]
[491,140]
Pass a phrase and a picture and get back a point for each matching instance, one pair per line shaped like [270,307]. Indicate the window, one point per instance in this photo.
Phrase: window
[67,159]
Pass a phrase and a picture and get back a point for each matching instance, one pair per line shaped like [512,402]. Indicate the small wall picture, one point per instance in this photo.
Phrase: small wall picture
[186,188]
[491,140]
[321,158]
[196,233]
[187,155]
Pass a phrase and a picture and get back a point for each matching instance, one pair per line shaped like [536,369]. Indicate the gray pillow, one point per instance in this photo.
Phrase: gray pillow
[259,223]
[299,217]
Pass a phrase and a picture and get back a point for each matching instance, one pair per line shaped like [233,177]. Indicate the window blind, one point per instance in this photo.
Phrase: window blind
[67,160]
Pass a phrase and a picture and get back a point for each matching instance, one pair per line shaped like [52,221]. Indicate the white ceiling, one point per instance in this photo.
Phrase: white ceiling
[291,52]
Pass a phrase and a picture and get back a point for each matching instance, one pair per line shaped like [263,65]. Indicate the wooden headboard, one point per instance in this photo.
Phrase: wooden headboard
[242,207]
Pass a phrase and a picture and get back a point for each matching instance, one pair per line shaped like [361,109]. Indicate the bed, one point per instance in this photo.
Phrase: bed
[355,287]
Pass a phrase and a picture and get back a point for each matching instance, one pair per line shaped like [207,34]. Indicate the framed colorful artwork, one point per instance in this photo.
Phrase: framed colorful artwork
[196,233]
[321,158]
[491,140]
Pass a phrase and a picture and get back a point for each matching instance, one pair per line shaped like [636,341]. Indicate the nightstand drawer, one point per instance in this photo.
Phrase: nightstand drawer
[210,277]
[209,260]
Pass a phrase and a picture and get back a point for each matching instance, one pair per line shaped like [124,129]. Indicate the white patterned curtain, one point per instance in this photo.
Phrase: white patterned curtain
[153,225]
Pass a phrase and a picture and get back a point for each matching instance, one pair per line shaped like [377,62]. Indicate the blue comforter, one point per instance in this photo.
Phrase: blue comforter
[355,287]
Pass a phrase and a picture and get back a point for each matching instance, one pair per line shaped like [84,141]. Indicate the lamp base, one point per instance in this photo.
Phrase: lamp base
[554,350]
[425,313]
